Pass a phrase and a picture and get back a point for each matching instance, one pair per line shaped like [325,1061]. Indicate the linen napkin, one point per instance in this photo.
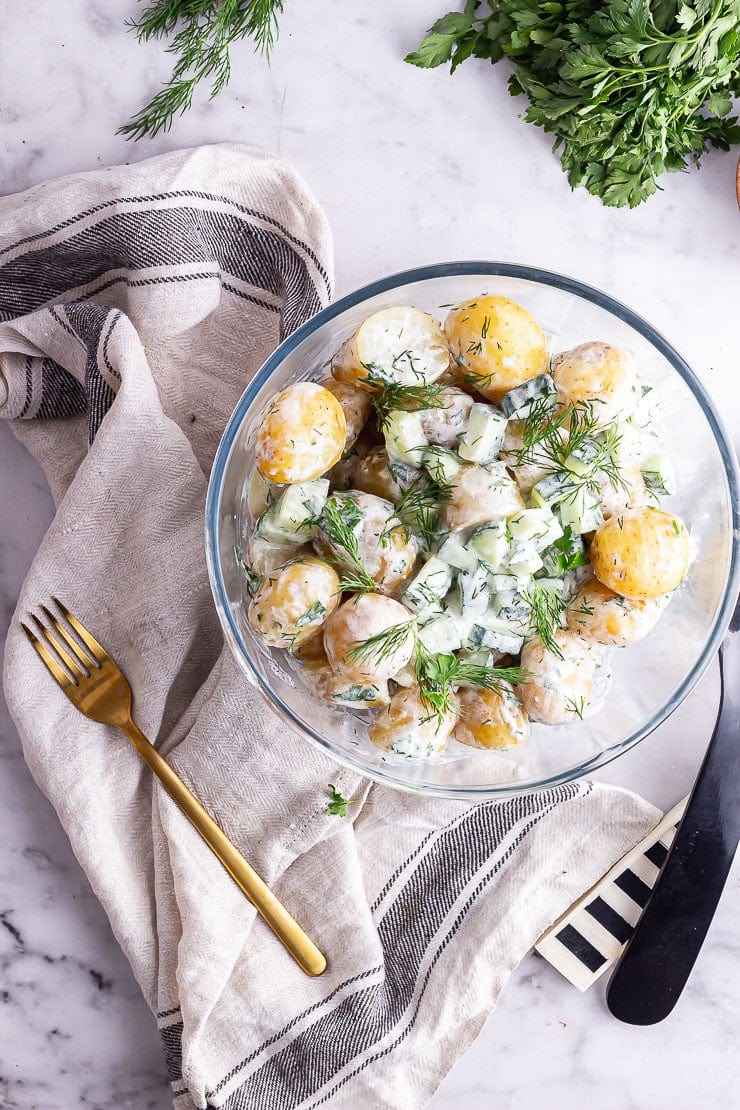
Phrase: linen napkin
[137,302]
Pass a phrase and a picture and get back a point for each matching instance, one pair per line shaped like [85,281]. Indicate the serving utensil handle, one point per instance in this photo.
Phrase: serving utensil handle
[657,962]
[282,923]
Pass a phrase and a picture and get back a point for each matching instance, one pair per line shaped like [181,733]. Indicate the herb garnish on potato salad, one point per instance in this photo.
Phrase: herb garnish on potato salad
[453,529]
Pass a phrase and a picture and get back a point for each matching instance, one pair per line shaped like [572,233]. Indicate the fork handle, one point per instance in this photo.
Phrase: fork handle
[285,927]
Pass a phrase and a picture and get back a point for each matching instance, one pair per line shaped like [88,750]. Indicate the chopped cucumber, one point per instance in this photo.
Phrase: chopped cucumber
[491,544]
[429,585]
[518,402]
[548,491]
[657,473]
[405,677]
[463,620]
[440,635]
[503,583]
[496,635]
[404,437]
[403,474]
[260,494]
[440,463]
[552,585]
[484,435]
[454,552]
[524,561]
[289,519]
[474,591]
[511,607]
[539,527]
[582,460]
[582,512]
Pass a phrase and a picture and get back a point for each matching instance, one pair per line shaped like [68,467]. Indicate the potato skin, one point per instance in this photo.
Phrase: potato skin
[278,610]
[480,494]
[598,373]
[390,562]
[335,688]
[408,727]
[598,614]
[302,436]
[632,494]
[356,404]
[491,718]
[444,425]
[372,475]
[357,620]
[495,342]
[383,338]
[557,689]
[641,553]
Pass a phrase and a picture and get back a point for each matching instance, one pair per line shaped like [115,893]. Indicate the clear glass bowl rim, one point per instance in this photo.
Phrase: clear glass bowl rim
[383,285]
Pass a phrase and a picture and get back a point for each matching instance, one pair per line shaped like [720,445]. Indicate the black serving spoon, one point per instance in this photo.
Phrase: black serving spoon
[657,962]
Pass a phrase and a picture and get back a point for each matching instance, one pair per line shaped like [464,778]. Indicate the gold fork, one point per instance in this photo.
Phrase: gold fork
[98,687]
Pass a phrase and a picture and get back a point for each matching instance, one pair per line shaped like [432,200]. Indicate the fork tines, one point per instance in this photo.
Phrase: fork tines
[82,652]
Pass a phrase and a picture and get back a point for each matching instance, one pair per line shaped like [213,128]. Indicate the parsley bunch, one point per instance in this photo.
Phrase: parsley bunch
[629,88]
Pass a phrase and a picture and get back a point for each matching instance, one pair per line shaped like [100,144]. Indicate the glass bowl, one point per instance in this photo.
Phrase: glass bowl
[651,678]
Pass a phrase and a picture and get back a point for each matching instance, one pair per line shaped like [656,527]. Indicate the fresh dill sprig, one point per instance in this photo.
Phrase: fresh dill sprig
[571,441]
[417,510]
[316,610]
[548,607]
[439,674]
[252,579]
[576,706]
[205,31]
[389,396]
[337,521]
[383,644]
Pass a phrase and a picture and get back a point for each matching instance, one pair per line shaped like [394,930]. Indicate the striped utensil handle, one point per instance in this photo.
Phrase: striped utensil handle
[588,939]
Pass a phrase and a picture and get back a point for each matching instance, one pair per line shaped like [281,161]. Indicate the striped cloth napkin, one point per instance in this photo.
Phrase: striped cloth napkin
[137,302]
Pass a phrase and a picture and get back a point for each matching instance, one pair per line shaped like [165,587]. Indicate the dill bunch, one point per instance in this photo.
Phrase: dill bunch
[204,31]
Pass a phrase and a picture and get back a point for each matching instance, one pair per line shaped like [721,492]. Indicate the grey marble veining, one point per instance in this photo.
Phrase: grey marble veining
[411,167]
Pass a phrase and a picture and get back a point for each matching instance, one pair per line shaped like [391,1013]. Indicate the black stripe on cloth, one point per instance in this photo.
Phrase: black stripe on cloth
[168,1013]
[657,853]
[150,238]
[177,194]
[633,887]
[610,920]
[61,393]
[581,948]
[171,1038]
[90,321]
[408,939]
[29,387]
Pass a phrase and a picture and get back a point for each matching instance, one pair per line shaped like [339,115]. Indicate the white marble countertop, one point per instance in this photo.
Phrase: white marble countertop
[412,167]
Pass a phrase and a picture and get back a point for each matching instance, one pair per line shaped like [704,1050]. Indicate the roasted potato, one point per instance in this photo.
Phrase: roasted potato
[496,344]
[641,553]
[444,424]
[480,494]
[597,373]
[356,405]
[409,727]
[598,614]
[302,435]
[358,621]
[491,718]
[385,548]
[402,345]
[292,604]
[557,687]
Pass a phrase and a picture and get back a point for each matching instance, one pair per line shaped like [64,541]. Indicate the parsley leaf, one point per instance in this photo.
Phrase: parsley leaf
[338,805]
[629,89]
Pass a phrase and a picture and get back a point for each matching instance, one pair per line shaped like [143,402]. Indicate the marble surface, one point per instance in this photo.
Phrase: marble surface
[411,167]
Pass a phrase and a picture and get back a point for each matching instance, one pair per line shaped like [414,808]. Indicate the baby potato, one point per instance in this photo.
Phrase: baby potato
[401,344]
[598,373]
[630,493]
[335,688]
[389,560]
[302,435]
[293,603]
[598,614]
[358,620]
[495,342]
[408,726]
[527,474]
[641,553]
[265,556]
[480,494]
[356,405]
[557,689]
[491,718]
[373,475]
[444,425]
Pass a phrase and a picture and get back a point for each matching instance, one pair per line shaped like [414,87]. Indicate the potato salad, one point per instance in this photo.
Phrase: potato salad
[451,531]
